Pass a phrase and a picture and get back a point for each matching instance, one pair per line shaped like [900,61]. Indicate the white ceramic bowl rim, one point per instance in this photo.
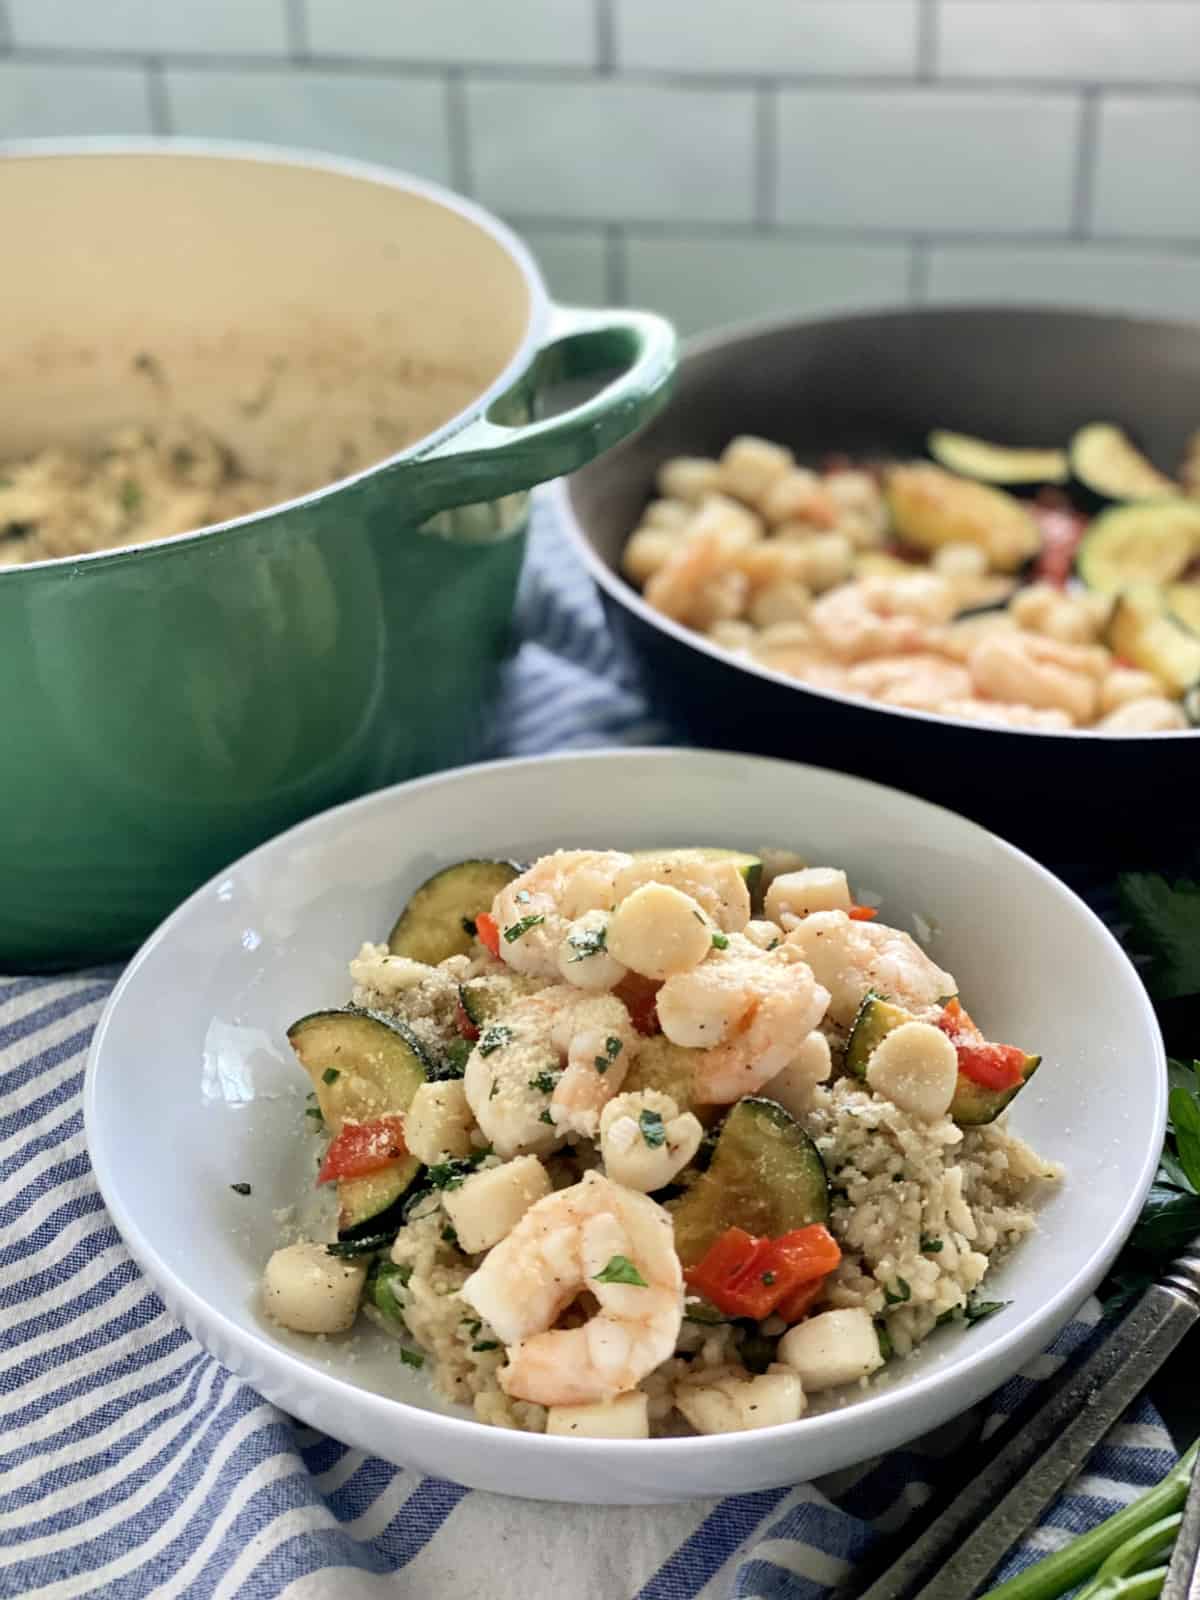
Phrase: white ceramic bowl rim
[540,306]
[880,1403]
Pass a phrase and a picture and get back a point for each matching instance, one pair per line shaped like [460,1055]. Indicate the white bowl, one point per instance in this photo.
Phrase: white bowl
[191,1088]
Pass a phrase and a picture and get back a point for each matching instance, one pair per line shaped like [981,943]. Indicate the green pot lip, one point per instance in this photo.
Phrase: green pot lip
[540,312]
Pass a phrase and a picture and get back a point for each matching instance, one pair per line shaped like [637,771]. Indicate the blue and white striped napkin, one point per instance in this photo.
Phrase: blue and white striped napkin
[131,1464]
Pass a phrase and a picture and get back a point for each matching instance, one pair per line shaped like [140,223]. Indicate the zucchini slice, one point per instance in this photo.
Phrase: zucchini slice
[482,998]
[750,866]
[1183,602]
[1107,465]
[438,920]
[766,1176]
[930,508]
[362,1066]
[1141,631]
[1000,464]
[972,1104]
[1151,542]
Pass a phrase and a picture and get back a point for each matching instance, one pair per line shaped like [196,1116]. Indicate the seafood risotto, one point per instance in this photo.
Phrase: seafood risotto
[929,586]
[632,1144]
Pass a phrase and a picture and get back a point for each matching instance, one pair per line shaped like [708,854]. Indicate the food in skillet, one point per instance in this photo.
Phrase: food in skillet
[940,585]
[620,1144]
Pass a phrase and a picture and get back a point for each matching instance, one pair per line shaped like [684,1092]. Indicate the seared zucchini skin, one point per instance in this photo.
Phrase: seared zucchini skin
[766,1176]
[438,920]
[973,1104]
[1003,466]
[1152,542]
[1107,468]
[362,1066]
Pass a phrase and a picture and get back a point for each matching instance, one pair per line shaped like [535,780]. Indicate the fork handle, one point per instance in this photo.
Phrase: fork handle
[1043,1446]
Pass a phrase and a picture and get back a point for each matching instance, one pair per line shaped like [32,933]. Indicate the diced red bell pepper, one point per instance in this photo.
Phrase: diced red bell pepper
[488,930]
[748,1277]
[863,913]
[639,995]
[993,1066]
[364,1147]
[800,1302]
[463,1023]
[1062,530]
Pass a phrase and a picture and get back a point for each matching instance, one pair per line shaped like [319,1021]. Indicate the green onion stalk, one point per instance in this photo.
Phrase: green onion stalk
[1113,1561]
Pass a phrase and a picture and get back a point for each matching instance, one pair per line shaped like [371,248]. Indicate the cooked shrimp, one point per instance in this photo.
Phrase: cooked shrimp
[920,682]
[1027,669]
[547,1066]
[573,1241]
[535,911]
[1069,618]
[746,1013]
[1000,715]
[880,616]
[848,958]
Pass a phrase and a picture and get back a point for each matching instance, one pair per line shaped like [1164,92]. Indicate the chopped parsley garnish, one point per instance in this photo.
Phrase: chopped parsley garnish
[494,1038]
[454,1173]
[886,1349]
[468,926]
[976,1310]
[495,1089]
[774,945]
[545,1080]
[900,1294]
[612,1049]
[768,1278]
[486,1344]
[589,942]
[412,1358]
[546,1117]
[131,497]
[330,1075]
[381,1287]
[314,1112]
[240,1188]
[516,930]
[402,1273]
[651,1124]
[472,1325]
[454,1062]
[449,1236]
[621,1270]
[720,941]
[931,1247]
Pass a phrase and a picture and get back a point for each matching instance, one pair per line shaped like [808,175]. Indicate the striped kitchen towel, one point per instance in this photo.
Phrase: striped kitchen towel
[131,1464]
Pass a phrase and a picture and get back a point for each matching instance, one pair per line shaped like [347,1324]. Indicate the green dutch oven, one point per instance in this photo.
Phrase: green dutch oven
[168,705]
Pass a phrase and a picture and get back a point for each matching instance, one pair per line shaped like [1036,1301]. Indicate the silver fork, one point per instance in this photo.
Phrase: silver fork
[1041,1449]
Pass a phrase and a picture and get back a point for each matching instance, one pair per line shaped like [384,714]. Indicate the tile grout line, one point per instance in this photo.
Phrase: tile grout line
[1085,163]
[927,40]
[157,98]
[766,154]
[616,265]
[295,15]
[458,130]
[519,75]
[605,20]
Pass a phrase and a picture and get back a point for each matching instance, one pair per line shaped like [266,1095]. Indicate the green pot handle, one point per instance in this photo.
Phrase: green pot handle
[490,457]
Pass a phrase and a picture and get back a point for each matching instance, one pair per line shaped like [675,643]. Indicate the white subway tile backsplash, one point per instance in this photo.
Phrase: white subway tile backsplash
[1114,41]
[234,26]
[517,32]
[854,37]
[398,121]
[927,159]
[599,150]
[40,101]
[1147,167]
[705,282]
[1091,275]
[574,264]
